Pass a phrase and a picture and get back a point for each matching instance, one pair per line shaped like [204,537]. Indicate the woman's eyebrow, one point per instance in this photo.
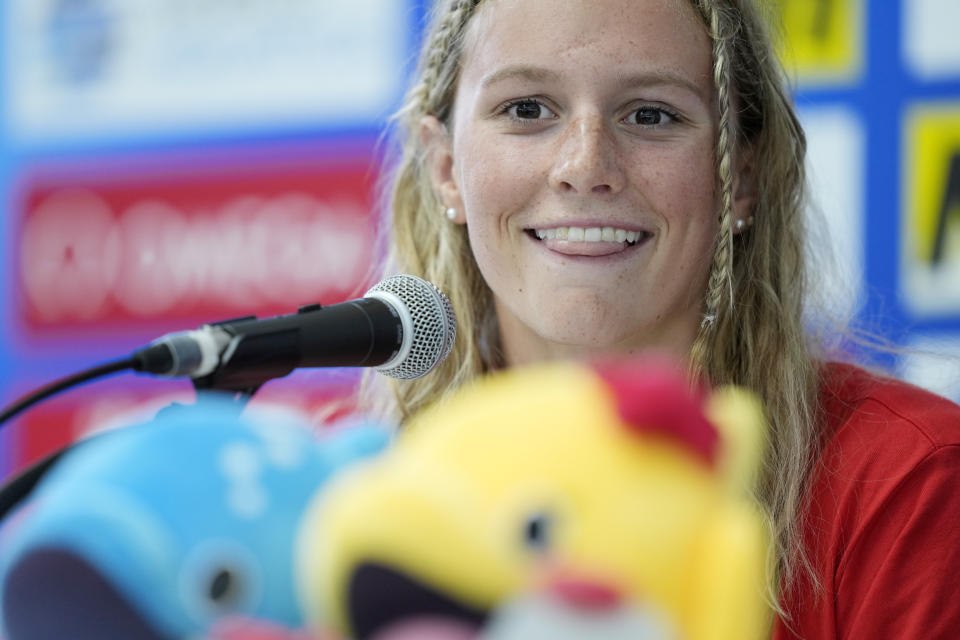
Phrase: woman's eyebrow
[661,79]
[518,72]
[634,81]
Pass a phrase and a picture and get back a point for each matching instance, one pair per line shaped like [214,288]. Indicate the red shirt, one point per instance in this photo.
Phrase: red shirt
[883,528]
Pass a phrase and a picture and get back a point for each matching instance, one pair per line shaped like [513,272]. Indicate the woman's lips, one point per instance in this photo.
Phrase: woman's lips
[590,242]
[594,249]
[589,249]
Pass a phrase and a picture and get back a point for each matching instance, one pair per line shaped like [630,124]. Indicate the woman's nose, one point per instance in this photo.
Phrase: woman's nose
[587,159]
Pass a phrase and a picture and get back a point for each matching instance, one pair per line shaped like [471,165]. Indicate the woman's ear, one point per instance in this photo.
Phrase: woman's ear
[439,164]
[744,189]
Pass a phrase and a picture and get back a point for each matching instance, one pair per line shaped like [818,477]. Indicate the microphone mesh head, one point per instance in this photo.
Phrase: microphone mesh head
[434,325]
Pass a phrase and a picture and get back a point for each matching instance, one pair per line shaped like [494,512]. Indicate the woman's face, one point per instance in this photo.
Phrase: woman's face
[580,155]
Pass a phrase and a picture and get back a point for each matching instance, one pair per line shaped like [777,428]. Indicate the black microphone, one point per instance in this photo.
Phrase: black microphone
[403,327]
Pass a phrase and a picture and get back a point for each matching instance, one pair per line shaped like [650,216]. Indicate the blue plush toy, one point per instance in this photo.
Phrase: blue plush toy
[157,531]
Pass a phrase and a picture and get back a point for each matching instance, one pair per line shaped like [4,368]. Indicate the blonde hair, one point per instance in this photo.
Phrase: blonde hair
[752,334]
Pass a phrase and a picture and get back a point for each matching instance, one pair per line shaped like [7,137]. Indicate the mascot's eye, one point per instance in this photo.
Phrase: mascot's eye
[219,577]
[225,589]
[537,531]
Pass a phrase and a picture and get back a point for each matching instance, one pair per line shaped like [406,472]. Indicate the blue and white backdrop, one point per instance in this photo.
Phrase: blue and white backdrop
[165,163]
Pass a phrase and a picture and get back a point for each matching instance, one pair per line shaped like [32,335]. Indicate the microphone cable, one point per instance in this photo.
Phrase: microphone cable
[57,386]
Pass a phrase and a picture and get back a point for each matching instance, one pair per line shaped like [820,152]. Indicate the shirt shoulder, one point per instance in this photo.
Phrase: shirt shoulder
[856,404]
[882,514]
[876,432]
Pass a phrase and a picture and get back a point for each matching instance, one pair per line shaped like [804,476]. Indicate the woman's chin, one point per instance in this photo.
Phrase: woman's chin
[582,338]
[576,323]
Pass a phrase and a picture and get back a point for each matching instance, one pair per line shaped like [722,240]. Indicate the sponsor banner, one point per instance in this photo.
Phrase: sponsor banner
[141,249]
[91,68]
[318,397]
[824,39]
[931,48]
[835,167]
[930,220]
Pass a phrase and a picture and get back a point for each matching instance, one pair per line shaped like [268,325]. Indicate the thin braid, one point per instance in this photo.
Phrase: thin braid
[720,282]
[429,93]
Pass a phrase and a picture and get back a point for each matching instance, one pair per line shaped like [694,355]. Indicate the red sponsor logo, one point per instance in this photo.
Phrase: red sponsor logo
[135,250]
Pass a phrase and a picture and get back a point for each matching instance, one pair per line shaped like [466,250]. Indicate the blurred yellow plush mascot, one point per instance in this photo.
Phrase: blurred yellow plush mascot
[559,501]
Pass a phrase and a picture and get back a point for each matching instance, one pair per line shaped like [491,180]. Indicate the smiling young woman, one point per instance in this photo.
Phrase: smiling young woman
[567,124]
[617,176]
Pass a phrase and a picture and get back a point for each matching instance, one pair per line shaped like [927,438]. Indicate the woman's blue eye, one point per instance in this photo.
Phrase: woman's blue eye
[650,116]
[528,110]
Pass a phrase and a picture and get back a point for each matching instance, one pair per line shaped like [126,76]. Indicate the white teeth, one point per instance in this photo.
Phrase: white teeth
[588,234]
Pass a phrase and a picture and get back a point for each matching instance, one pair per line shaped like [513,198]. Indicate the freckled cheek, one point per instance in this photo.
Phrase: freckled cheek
[679,187]
[494,187]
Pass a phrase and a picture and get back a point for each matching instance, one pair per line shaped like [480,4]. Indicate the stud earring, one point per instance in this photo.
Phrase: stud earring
[451,213]
[741,225]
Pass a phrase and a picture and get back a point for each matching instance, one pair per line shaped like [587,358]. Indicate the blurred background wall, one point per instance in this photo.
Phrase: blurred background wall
[165,163]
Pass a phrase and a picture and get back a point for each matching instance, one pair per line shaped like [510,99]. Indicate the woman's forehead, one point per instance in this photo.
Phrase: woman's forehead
[618,16]
[645,35]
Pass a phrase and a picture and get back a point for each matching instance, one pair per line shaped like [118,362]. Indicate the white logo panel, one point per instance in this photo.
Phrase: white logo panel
[931,45]
[835,166]
[87,68]
[933,363]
